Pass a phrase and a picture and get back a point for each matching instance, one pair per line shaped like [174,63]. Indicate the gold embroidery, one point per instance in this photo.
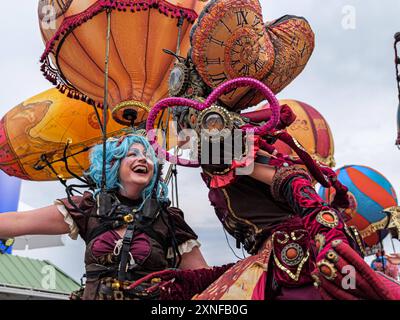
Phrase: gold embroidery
[319,238]
[284,241]
[323,217]
[280,177]
[293,276]
[355,235]
[256,229]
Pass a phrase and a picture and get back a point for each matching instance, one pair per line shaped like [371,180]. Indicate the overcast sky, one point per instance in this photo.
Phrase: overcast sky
[350,79]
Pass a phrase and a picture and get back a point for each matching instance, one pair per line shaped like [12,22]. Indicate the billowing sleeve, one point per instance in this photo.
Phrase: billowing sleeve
[185,236]
[77,217]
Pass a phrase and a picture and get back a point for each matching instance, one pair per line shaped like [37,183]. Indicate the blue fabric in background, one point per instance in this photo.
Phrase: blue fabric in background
[9,197]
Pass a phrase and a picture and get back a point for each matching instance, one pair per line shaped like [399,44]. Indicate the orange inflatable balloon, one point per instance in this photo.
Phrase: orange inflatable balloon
[138,67]
[311,130]
[37,130]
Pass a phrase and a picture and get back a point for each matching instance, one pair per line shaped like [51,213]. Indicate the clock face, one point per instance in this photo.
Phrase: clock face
[232,43]
[249,52]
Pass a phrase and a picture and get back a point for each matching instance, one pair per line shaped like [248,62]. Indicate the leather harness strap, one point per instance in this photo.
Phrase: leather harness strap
[124,255]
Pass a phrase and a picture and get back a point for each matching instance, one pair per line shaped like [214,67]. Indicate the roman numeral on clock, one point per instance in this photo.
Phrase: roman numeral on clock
[234,62]
[222,21]
[231,93]
[216,41]
[238,42]
[258,65]
[241,17]
[245,70]
[256,21]
[212,61]
[61,3]
[218,78]
[303,50]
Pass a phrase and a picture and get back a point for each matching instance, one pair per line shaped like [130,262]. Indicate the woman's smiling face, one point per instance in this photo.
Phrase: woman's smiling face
[137,168]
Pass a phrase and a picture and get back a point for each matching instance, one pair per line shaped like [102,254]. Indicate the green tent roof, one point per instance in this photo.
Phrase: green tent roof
[26,273]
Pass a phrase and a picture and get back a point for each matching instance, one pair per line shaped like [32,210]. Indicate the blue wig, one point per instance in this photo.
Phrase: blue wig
[116,150]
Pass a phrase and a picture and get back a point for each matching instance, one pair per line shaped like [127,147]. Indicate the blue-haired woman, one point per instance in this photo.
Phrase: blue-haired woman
[137,234]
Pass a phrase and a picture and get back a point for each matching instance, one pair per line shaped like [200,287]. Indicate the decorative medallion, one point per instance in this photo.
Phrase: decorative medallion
[214,119]
[293,276]
[292,254]
[328,218]
[178,80]
[327,269]
[332,256]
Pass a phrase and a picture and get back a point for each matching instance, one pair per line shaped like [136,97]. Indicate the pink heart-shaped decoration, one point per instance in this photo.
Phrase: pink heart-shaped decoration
[212,98]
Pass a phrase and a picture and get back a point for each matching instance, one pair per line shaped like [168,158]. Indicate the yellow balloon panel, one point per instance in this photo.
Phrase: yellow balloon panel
[39,129]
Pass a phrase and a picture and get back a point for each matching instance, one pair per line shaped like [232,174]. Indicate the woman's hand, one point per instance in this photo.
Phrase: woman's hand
[47,220]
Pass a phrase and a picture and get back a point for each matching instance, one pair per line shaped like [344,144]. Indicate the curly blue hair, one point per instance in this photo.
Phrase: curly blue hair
[116,150]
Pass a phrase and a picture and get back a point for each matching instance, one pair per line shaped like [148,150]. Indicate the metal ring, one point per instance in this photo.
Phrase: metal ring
[296,259]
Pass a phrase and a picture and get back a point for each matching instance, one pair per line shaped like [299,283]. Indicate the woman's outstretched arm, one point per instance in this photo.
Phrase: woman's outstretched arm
[47,220]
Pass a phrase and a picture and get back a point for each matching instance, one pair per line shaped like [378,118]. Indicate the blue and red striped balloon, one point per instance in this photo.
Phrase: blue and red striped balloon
[370,193]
